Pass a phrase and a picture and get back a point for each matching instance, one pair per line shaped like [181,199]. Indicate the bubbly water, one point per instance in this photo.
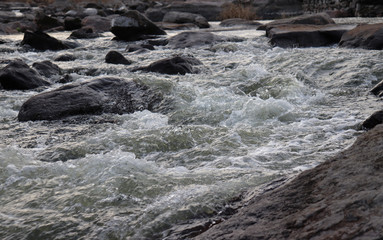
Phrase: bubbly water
[255,113]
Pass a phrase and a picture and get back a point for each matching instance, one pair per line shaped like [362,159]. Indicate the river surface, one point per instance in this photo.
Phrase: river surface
[254,114]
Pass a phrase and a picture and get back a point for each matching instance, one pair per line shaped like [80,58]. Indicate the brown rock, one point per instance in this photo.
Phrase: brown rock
[368,36]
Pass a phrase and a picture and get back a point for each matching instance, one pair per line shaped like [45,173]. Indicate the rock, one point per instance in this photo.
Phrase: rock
[84,33]
[17,27]
[46,68]
[378,89]
[339,199]
[275,9]
[115,57]
[368,36]
[45,22]
[158,42]
[42,41]
[192,39]
[90,11]
[137,47]
[155,14]
[72,23]
[208,9]
[373,120]
[98,23]
[297,35]
[19,76]
[177,26]
[101,95]
[65,58]
[174,65]
[183,17]
[232,22]
[133,26]
[309,19]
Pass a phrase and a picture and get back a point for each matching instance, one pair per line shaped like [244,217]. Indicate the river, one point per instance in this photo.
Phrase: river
[254,114]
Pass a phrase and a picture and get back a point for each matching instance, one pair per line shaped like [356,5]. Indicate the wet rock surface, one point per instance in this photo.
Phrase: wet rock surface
[42,41]
[47,68]
[101,95]
[368,36]
[17,75]
[115,57]
[340,198]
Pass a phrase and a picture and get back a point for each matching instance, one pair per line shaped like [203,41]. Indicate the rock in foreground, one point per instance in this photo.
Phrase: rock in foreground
[339,199]
[101,95]
[368,36]
[133,26]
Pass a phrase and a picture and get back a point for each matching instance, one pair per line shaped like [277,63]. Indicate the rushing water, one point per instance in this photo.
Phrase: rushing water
[256,113]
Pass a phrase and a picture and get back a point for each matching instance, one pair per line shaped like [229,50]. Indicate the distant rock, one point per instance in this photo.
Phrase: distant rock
[72,23]
[45,22]
[42,41]
[208,9]
[177,26]
[373,120]
[174,65]
[17,75]
[101,95]
[233,22]
[184,17]
[65,58]
[47,68]
[339,199]
[155,14]
[98,23]
[367,36]
[192,39]
[297,35]
[115,57]
[84,33]
[133,26]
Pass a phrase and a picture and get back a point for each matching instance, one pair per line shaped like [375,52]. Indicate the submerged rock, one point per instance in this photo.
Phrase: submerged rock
[339,199]
[17,75]
[174,65]
[42,41]
[133,26]
[115,57]
[368,36]
[101,95]
[297,35]
[184,17]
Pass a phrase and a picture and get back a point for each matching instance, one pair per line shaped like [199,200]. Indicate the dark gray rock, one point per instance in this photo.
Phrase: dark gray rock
[84,33]
[45,22]
[155,14]
[46,68]
[138,47]
[101,95]
[42,41]
[72,23]
[177,26]
[19,76]
[209,10]
[378,89]
[276,9]
[184,17]
[97,23]
[297,35]
[233,22]
[133,26]
[174,65]
[115,57]
[373,120]
[339,199]
[368,36]
[192,39]
[65,58]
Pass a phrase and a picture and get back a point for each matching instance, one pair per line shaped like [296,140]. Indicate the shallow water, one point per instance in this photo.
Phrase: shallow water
[254,114]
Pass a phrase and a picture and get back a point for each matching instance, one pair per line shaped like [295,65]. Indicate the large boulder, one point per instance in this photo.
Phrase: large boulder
[101,95]
[42,41]
[297,35]
[192,39]
[184,17]
[174,65]
[368,36]
[17,75]
[133,26]
[339,199]
[115,57]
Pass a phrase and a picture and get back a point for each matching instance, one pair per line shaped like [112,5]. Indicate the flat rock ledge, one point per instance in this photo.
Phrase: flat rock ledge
[339,199]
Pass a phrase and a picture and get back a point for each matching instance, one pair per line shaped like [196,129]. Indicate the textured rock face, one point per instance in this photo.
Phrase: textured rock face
[369,36]
[19,76]
[339,199]
[101,95]
[133,26]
